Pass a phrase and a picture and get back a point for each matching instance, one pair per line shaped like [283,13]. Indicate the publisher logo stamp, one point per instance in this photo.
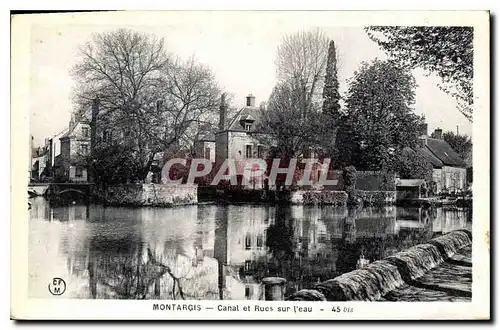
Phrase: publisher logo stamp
[57,287]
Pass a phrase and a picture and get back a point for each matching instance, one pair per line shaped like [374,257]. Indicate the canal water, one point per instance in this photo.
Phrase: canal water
[213,251]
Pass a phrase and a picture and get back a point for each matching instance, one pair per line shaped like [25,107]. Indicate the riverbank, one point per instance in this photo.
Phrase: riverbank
[440,270]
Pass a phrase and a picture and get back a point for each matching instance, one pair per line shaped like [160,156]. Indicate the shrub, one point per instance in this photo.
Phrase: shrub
[325,197]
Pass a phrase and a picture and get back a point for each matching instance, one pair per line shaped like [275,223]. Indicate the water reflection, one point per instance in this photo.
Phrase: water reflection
[214,252]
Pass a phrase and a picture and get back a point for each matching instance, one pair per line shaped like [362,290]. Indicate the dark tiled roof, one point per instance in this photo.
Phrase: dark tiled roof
[442,150]
[249,114]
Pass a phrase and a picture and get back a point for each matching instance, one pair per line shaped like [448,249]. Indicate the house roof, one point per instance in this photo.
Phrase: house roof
[442,150]
[410,182]
[247,114]
[72,128]
[436,162]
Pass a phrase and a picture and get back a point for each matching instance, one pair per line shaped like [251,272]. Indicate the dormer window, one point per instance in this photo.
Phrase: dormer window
[85,132]
[248,126]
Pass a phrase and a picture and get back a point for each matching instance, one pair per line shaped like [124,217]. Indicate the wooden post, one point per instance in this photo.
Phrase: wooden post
[274,288]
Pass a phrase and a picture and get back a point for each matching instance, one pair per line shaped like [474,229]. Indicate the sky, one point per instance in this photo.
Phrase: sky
[240,49]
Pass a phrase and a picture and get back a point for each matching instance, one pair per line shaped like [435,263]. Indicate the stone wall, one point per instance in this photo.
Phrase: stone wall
[150,194]
[381,277]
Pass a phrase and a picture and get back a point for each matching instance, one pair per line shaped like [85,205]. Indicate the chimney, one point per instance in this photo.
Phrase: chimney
[438,133]
[222,112]
[422,139]
[250,100]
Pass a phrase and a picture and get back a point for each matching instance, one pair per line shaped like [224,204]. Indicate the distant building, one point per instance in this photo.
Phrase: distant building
[449,170]
[40,162]
[55,152]
[75,145]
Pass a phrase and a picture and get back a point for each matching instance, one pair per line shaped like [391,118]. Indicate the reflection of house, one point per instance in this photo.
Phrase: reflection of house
[449,170]
[240,248]
[75,145]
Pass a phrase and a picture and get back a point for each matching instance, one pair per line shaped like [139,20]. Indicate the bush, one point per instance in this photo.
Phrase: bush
[325,197]
[373,197]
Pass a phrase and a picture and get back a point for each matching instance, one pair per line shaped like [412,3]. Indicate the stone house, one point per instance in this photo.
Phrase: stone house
[449,170]
[75,144]
[205,147]
[237,138]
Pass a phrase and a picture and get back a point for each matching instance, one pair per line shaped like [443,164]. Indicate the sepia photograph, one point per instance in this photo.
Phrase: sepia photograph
[295,163]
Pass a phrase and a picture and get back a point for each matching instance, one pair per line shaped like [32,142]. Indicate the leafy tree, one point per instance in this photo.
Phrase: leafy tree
[379,120]
[462,144]
[410,164]
[445,50]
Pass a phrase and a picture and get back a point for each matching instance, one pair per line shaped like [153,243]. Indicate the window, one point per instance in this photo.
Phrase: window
[85,149]
[260,151]
[78,172]
[259,241]
[248,265]
[248,126]
[248,151]
[248,292]
[207,153]
[248,242]
[85,132]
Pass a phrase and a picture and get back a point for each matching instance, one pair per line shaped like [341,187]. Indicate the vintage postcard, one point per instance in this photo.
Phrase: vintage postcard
[280,165]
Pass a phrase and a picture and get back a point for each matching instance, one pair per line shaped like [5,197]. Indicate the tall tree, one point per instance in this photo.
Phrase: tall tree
[380,121]
[301,60]
[331,100]
[149,101]
[445,50]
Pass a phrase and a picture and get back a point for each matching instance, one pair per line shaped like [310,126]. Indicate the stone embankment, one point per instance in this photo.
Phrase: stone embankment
[440,270]
[165,195]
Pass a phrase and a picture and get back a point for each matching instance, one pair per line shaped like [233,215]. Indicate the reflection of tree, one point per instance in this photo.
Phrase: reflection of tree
[280,241]
[128,269]
[347,255]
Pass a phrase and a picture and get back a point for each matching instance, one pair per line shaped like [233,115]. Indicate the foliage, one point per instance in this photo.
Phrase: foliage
[445,50]
[410,164]
[325,197]
[462,144]
[113,164]
[376,198]
[379,117]
[349,179]
[331,101]
[292,131]
[149,101]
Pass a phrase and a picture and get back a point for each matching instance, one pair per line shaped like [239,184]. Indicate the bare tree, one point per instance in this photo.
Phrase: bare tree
[290,130]
[301,59]
[149,100]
